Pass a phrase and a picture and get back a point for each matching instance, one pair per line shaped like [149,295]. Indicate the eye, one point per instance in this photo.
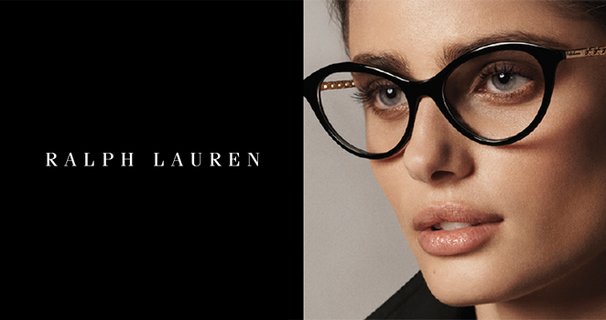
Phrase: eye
[503,82]
[507,83]
[382,97]
[389,97]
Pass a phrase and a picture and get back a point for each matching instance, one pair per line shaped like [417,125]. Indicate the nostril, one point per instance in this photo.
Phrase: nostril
[441,175]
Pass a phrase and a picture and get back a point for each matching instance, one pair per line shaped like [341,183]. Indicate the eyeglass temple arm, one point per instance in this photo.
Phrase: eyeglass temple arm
[586,52]
[335,85]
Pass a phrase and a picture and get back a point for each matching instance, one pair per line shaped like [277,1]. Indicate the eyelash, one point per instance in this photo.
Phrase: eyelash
[362,96]
[367,94]
[500,67]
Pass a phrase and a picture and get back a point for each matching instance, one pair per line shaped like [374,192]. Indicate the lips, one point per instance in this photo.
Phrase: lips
[453,229]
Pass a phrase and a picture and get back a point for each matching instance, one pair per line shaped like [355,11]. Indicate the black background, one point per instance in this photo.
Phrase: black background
[148,77]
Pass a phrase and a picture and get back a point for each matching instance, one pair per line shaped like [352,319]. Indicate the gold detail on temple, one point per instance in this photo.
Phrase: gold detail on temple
[586,52]
[334,85]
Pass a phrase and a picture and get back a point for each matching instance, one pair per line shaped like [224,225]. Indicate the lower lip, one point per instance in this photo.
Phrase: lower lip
[459,241]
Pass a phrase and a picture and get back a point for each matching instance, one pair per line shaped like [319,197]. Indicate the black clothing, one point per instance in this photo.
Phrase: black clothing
[415,301]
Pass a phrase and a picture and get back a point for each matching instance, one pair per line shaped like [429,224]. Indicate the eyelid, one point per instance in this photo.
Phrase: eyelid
[364,80]
[526,70]
[390,62]
[380,83]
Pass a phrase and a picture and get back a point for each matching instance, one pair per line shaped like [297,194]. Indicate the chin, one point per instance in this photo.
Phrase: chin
[461,296]
[457,298]
[471,281]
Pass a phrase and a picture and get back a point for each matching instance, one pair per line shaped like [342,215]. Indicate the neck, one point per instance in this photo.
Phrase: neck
[580,294]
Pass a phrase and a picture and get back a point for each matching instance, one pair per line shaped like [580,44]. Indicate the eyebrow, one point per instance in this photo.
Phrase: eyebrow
[390,62]
[397,64]
[455,50]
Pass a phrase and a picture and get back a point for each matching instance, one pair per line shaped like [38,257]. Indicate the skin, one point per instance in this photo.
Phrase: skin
[549,254]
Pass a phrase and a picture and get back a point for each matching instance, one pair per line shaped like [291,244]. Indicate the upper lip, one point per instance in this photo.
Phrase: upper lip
[452,212]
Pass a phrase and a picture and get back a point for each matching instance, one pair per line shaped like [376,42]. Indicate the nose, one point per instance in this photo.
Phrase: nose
[436,152]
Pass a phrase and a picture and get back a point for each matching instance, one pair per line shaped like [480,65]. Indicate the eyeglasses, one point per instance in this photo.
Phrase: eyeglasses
[495,95]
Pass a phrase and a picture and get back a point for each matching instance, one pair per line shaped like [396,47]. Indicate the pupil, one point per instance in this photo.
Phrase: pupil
[504,78]
[390,93]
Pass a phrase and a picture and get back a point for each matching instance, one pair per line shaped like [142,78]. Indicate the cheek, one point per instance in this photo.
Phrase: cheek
[578,156]
[395,182]
[552,185]
[577,114]
[571,141]
[406,195]
[564,160]
[389,176]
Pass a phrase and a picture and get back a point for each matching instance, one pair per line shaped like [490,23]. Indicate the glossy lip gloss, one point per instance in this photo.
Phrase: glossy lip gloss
[453,229]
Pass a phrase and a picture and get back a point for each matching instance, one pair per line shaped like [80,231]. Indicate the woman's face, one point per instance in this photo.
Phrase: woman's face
[540,202]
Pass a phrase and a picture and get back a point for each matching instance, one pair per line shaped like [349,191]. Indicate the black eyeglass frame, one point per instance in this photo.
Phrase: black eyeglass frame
[435,89]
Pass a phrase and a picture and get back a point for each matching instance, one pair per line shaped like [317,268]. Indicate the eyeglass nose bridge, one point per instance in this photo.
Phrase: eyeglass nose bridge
[433,88]
[416,90]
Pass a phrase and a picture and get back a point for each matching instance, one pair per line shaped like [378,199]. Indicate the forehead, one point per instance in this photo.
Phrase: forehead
[422,22]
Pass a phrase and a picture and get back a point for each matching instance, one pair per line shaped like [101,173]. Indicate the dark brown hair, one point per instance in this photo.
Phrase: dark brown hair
[585,9]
